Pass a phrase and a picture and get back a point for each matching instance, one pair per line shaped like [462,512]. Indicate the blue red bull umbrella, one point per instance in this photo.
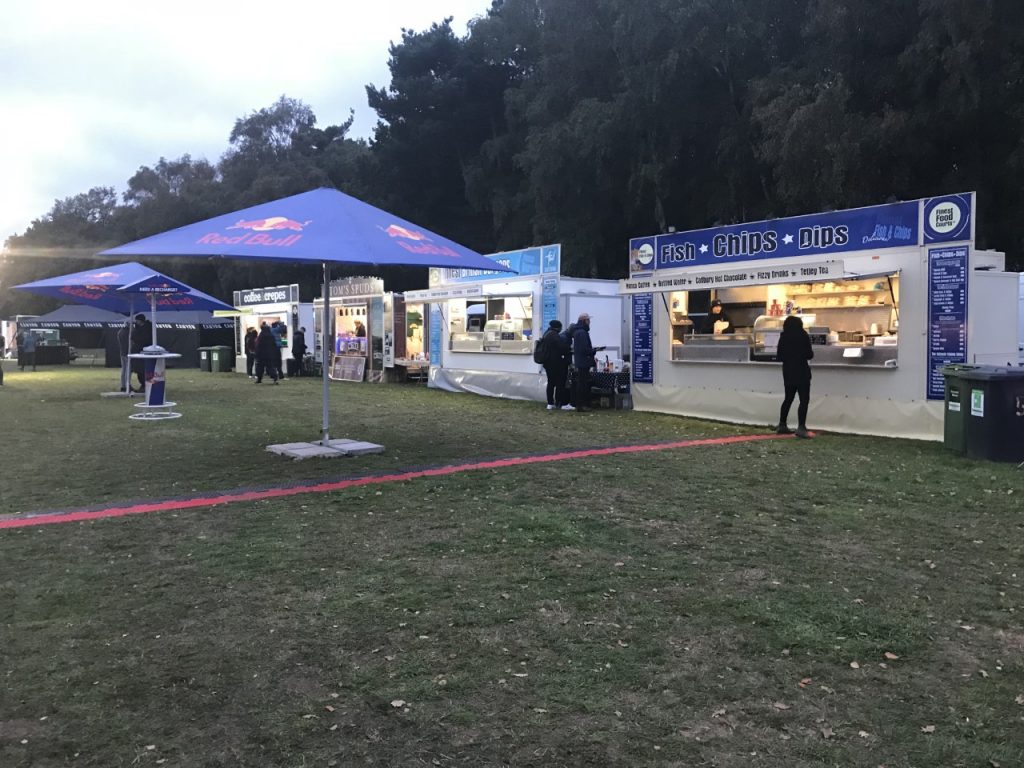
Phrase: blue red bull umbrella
[121,288]
[118,287]
[321,226]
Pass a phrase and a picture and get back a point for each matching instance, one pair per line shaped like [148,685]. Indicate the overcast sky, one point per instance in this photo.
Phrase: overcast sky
[91,91]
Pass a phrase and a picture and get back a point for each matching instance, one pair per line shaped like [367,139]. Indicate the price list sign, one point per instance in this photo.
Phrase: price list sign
[549,303]
[947,314]
[643,338]
[435,334]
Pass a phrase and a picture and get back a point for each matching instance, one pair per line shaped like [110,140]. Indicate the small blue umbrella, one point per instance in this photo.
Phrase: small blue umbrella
[117,287]
[321,226]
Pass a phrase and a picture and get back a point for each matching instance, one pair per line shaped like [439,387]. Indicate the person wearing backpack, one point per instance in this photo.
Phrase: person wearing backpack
[553,351]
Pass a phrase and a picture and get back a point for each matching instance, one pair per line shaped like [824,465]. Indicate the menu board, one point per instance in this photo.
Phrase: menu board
[549,302]
[643,338]
[435,334]
[348,368]
[947,314]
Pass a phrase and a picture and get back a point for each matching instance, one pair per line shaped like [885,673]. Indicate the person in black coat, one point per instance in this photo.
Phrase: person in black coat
[123,347]
[794,352]
[142,336]
[583,352]
[299,349]
[250,351]
[556,366]
[267,353]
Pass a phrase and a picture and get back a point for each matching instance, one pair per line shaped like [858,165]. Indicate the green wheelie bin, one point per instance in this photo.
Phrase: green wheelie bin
[954,422]
[995,420]
[222,359]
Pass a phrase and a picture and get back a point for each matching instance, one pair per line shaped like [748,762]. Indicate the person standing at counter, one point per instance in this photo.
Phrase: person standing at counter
[556,365]
[277,330]
[583,360]
[250,351]
[360,330]
[794,352]
[717,315]
[267,354]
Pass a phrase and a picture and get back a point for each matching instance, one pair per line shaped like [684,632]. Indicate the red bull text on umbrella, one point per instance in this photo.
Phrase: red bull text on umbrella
[271,224]
[421,243]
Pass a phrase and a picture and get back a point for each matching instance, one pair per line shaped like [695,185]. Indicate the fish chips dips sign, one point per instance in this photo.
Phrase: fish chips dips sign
[895,291]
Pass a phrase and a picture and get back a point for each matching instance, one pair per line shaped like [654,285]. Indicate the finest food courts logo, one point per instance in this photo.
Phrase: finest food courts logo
[948,218]
[945,217]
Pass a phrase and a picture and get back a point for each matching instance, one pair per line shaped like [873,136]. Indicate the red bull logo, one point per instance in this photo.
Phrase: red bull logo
[394,230]
[270,225]
[257,233]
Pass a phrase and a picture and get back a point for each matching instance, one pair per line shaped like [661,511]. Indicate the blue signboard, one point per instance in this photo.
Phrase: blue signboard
[551,261]
[549,303]
[643,338]
[529,261]
[948,219]
[947,314]
[435,334]
[860,229]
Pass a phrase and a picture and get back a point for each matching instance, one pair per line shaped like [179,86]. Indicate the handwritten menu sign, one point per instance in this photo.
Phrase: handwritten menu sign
[348,368]
[947,314]
[643,338]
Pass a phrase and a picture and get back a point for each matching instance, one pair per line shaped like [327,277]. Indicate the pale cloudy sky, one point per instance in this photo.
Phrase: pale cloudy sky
[90,90]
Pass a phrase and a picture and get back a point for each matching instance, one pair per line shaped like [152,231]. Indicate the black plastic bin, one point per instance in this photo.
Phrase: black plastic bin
[957,406]
[204,359]
[995,420]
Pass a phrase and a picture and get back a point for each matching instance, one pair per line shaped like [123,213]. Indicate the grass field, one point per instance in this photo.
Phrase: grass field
[845,601]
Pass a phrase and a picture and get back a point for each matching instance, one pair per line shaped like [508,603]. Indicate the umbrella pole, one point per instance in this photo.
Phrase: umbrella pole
[325,329]
[127,374]
[152,314]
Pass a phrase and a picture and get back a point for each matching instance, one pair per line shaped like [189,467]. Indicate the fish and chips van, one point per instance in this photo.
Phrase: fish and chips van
[889,294]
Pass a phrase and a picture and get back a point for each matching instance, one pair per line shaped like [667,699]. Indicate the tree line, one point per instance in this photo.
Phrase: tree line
[587,122]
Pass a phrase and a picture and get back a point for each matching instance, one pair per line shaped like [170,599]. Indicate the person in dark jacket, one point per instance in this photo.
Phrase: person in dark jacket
[267,354]
[250,350]
[717,315]
[299,350]
[142,336]
[279,331]
[556,366]
[583,361]
[794,352]
[123,347]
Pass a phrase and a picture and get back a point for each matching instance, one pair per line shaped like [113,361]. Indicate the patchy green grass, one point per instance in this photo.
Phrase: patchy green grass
[723,606]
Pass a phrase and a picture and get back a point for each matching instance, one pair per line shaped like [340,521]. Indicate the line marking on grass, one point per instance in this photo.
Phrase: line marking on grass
[295,489]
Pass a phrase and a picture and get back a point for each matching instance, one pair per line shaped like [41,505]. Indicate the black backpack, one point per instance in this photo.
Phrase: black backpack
[540,350]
